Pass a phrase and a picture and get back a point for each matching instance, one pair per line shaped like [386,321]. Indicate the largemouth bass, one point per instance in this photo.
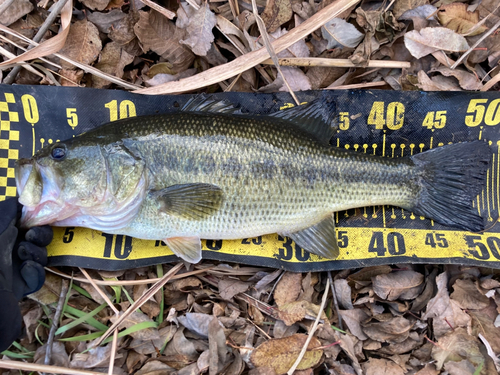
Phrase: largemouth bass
[209,171]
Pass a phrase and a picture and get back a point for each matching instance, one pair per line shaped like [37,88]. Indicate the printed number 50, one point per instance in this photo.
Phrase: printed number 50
[490,114]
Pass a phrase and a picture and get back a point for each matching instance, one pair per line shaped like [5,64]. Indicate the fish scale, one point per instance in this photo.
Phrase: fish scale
[209,172]
[255,203]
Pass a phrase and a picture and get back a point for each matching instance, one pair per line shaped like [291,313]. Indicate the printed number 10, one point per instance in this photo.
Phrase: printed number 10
[126,109]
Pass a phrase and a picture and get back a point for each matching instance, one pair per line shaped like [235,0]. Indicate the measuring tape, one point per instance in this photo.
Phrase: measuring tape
[384,123]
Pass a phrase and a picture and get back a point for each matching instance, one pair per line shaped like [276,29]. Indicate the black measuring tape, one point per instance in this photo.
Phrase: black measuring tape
[385,123]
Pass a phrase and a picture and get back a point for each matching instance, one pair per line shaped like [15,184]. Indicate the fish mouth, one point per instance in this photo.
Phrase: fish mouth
[38,192]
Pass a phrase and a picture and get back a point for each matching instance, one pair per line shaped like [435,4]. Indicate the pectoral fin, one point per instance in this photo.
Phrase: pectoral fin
[320,239]
[187,248]
[189,201]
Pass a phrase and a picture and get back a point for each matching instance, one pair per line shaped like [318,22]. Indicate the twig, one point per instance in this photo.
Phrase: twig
[357,86]
[335,302]
[23,366]
[98,290]
[5,5]
[127,282]
[251,59]
[270,49]
[488,85]
[55,321]
[311,332]
[113,353]
[140,301]
[167,13]
[39,35]
[483,37]
[341,63]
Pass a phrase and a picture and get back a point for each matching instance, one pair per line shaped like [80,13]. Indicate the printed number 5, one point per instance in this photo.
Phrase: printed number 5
[474,106]
[72,117]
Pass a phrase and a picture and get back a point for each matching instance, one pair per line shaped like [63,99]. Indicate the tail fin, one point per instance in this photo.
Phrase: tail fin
[450,178]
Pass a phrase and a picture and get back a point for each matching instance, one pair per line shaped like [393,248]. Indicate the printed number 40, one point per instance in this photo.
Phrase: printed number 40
[393,118]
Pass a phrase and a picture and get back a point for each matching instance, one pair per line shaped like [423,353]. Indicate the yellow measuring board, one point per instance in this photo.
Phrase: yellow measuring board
[384,123]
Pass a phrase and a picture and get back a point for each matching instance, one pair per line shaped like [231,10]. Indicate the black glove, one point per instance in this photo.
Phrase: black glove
[21,268]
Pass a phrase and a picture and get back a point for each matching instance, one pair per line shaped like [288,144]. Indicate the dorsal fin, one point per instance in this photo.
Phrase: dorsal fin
[316,118]
[204,103]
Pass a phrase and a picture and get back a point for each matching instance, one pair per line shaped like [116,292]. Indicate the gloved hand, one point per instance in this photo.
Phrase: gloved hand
[21,268]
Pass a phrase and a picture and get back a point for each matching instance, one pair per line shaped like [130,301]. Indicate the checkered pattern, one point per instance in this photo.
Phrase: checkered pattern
[9,148]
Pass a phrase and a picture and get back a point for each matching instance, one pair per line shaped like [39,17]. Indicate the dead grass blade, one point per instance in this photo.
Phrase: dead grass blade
[128,282]
[35,367]
[270,49]
[357,86]
[51,45]
[251,59]
[98,290]
[492,82]
[338,63]
[311,332]
[137,304]
[84,67]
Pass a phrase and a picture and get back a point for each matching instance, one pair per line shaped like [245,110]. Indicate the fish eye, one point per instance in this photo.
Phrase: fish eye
[58,152]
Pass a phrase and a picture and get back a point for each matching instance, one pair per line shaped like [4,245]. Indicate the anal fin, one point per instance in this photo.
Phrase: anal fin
[320,239]
[187,248]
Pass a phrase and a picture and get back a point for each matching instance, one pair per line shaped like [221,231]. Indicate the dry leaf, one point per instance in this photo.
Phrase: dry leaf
[294,312]
[340,33]
[157,33]
[456,17]
[280,354]
[228,288]
[160,78]
[96,4]
[199,29]
[353,319]
[216,346]
[401,6]
[196,322]
[466,80]
[155,368]
[403,285]
[376,366]
[92,358]
[463,367]
[456,346]
[432,39]
[59,356]
[296,78]
[277,13]
[82,44]
[113,60]
[16,10]
[446,313]
[392,330]
[436,83]
[105,22]
[288,288]
[343,292]
[467,295]
[71,77]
